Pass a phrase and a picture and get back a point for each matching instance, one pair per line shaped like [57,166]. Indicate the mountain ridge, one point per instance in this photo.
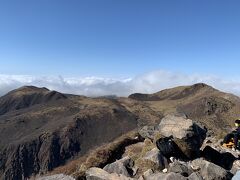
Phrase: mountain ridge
[42,129]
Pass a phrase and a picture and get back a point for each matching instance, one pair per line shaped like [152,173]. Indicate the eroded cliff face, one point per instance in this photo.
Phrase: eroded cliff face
[50,150]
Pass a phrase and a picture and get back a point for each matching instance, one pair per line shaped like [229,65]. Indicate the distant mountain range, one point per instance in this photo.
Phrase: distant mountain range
[42,129]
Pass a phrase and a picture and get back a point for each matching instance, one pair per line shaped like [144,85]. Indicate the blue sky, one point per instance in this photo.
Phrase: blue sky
[119,38]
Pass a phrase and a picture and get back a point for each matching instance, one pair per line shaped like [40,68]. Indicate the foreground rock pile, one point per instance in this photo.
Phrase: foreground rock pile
[192,156]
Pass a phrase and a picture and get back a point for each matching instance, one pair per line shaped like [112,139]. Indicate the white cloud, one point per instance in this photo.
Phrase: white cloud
[97,86]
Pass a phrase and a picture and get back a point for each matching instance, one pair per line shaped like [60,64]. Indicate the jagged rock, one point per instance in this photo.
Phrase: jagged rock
[162,176]
[180,168]
[96,173]
[134,150]
[155,156]
[195,176]
[209,170]
[148,132]
[225,160]
[187,134]
[100,174]
[148,173]
[56,177]
[123,166]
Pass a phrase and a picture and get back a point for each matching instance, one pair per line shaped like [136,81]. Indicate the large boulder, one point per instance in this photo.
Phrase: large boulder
[148,173]
[195,176]
[163,176]
[56,177]
[225,159]
[100,174]
[96,173]
[209,170]
[187,135]
[156,157]
[148,132]
[180,168]
[123,166]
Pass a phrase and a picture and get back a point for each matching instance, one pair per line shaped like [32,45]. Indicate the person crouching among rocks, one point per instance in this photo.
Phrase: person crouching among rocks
[233,137]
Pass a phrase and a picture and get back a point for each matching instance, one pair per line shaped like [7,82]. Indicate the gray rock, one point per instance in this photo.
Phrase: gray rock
[56,177]
[148,173]
[180,168]
[96,174]
[187,135]
[148,132]
[195,176]
[155,156]
[209,170]
[100,174]
[169,176]
[121,166]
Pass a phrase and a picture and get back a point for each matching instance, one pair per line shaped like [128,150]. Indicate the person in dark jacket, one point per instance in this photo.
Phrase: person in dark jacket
[237,134]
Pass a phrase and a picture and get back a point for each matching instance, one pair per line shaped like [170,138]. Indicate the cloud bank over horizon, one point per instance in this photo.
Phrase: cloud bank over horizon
[96,86]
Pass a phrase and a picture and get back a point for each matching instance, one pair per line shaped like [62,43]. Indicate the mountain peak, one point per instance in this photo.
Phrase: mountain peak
[199,86]
[173,93]
[29,89]
[27,96]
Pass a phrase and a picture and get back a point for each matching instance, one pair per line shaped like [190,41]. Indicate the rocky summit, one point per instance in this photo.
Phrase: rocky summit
[171,134]
[150,163]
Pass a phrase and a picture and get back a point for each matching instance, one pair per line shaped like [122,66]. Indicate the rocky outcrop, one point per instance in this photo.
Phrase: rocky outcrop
[56,177]
[225,159]
[195,176]
[157,158]
[100,174]
[209,170]
[207,162]
[148,132]
[163,176]
[123,166]
[187,135]
[180,168]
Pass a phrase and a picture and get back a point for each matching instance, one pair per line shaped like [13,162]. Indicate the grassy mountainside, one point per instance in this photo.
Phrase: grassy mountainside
[47,131]
[215,109]
[42,129]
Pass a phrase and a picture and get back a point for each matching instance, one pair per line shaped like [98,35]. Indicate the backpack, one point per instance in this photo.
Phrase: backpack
[166,146]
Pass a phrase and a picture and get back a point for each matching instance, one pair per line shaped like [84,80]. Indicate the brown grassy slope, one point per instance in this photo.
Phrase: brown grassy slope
[43,135]
[27,96]
[42,129]
[214,109]
[99,157]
